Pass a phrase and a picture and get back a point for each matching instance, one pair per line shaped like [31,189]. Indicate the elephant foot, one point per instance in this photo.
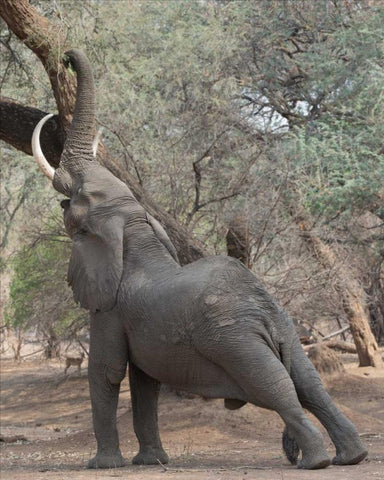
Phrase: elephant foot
[107,461]
[320,459]
[150,456]
[351,456]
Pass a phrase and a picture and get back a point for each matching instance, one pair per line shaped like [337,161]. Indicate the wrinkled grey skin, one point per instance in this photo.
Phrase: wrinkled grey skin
[209,328]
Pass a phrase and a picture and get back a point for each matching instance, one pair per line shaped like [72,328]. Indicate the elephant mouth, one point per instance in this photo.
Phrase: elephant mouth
[38,154]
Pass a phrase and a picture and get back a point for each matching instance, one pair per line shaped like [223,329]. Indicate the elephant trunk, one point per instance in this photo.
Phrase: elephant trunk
[80,147]
[79,143]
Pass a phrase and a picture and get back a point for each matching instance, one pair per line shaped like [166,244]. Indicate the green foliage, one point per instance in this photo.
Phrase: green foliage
[177,80]
[39,296]
[338,158]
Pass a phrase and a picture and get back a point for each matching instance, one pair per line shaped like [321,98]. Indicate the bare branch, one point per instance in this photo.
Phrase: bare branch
[17,126]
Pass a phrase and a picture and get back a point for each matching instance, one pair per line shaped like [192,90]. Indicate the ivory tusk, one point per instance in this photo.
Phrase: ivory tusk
[38,154]
[95,143]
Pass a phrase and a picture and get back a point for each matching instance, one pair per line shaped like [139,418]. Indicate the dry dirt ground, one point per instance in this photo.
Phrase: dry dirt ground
[205,441]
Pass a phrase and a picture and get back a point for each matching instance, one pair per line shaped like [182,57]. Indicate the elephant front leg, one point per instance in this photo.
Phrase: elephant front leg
[104,389]
[108,357]
[144,393]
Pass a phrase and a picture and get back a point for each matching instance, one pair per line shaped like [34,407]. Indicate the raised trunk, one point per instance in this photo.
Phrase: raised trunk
[80,135]
[351,295]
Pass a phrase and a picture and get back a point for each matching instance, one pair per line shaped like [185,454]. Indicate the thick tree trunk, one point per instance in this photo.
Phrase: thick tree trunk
[351,295]
[376,307]
[16,347]
[42,37]
[48,42]
[237,239]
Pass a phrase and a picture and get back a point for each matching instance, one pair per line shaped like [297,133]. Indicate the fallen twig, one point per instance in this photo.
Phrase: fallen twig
[338,332]
[335,345]
[13,438]
[205,469]
[33,353]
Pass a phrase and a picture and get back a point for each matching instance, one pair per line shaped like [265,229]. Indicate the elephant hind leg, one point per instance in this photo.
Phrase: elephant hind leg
[312,395]
[290,447]
[266,383]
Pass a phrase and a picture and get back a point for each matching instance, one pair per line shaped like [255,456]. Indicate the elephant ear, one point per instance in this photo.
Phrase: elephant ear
[96,267]
[162,236]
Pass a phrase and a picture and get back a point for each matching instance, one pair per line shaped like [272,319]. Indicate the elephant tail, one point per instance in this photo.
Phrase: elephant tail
[290,447]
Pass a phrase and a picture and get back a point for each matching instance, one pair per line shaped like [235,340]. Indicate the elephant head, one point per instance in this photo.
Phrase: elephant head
[100,206]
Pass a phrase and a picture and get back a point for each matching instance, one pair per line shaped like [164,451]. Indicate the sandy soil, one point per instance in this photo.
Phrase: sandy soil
[51,414]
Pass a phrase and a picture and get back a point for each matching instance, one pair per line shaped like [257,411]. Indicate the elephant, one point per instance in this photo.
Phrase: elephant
[208,327]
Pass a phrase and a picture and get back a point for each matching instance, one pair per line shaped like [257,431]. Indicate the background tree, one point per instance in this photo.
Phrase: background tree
[40,298]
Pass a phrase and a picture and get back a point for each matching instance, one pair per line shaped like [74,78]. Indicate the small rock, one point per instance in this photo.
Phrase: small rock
[13,439]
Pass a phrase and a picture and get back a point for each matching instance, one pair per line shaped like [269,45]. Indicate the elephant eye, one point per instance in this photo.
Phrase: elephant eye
[82,231]
[65,204]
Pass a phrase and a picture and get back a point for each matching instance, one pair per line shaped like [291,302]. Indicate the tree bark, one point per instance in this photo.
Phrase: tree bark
[376,307]
[18,122]
[351,295]
[48,42]
[335,345]
[237,239]
[17,125]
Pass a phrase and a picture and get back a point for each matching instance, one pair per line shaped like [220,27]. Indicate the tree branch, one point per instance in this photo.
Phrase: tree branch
[11,216]
[49,44]
[17,125]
